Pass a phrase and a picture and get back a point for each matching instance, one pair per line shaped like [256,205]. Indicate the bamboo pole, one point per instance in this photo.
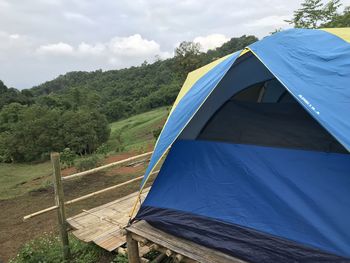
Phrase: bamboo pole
[103,167]
[84,197]
[59,201]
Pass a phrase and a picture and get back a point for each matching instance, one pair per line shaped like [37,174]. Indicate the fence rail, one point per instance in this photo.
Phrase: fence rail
[59,195]
[110,165]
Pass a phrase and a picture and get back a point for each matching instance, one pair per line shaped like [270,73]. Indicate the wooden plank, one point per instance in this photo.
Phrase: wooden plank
[181,246]
[102,224]
[110,241]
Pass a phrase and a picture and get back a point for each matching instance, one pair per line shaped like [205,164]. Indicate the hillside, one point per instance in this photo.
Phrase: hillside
[120,93]
[73,110]
[134,134]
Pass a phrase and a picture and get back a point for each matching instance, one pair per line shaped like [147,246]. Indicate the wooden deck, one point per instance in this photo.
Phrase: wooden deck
[180,249]
[102,225]
[105,226]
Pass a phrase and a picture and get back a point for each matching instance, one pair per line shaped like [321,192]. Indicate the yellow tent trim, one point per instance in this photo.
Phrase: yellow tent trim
[343,33]
[193,77]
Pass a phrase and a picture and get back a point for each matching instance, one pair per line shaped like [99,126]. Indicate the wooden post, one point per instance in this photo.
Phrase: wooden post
[133,249]
[59,201]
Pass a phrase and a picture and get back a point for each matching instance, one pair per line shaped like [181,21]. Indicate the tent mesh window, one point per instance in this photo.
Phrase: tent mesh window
[266,114]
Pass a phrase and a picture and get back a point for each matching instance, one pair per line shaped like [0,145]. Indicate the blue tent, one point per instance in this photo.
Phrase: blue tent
[258,152]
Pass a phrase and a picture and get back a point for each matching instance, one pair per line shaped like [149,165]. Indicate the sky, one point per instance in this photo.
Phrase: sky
[41,39]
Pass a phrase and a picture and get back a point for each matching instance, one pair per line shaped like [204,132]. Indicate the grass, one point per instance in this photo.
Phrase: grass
[48,248]
[132,134]
[17,179]
[136,132]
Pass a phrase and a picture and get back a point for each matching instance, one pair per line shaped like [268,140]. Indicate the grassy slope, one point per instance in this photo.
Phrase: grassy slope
[135,134]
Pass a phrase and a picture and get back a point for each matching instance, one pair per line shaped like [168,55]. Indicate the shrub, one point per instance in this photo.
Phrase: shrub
[67,157]
[103,149]
[87,163]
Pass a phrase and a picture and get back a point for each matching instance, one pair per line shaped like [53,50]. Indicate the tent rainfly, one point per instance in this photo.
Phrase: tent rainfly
[258,164]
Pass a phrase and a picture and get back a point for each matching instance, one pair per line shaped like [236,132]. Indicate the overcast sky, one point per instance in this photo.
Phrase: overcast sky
[41,39]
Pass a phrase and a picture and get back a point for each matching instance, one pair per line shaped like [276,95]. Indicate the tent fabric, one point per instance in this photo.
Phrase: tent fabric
[317,73]
[240,242]
[278,188]
[186,108]
[193,77]
[343,33]
[313,65]
[277,192]
[246,71]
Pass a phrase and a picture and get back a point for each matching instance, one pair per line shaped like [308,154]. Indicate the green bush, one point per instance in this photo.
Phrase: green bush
[88,163]
[67,157]
[48,249]
[103,149]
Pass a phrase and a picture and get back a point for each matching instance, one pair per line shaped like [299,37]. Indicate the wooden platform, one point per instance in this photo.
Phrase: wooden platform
[190,251]
[102,225]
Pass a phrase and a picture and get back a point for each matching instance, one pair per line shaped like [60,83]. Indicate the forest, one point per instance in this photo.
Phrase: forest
[74,110]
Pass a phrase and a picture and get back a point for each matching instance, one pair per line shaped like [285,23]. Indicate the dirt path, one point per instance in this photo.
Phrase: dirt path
[14,232]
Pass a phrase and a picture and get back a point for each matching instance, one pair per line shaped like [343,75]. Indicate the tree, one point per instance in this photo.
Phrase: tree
[31,132]
[187,48]
[3,87]
[187,58]
[314,13]
[342,20]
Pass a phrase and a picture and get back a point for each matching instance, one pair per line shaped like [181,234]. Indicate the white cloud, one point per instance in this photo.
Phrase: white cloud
[56,49]
[133,45]
[211,41]
[41,39]
[88,49]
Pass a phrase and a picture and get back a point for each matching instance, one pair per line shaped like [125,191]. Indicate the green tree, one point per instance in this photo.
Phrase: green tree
[314,13]
[342,20]
[187,58]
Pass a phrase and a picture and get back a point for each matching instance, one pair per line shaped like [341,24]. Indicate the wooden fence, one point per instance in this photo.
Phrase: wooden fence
[59,194]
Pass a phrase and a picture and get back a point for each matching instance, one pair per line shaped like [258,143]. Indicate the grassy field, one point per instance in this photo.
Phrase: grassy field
[136,133]
[132,134]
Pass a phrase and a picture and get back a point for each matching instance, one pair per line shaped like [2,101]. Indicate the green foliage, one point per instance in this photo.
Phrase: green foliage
[103,149]
[120,259]
[67,157]
[10,95]
[187,58]
[342,20]
[314,13]
[72,110]
[48,249]
[29,132]
[87,163]
[119,94]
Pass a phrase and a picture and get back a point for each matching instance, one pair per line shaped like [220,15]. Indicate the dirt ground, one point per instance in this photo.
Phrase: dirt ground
[14,232]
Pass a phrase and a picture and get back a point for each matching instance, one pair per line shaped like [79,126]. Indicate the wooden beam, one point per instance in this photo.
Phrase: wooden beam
[121,162]
[133,249]
[189,250]
[59,201]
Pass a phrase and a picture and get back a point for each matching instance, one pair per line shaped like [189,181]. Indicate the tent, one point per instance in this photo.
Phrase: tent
[258,162]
